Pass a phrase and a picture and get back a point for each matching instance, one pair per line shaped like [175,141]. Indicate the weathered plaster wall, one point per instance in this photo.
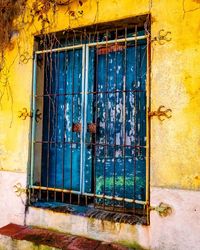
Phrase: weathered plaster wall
[175,80]
[178,231]
[175,143]
[12,207]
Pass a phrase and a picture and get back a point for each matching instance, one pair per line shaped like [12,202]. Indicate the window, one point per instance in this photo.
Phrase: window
[90,146]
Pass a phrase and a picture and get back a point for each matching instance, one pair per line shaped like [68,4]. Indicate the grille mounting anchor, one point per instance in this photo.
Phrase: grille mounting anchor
[161,113]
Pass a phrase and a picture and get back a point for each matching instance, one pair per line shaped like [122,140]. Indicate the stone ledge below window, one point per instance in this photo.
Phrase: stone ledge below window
[91,212]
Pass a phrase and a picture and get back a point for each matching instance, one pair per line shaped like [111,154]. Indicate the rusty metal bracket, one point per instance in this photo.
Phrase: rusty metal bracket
[19,190]
[161,113]
[24,113]
[162,37]
[163,209]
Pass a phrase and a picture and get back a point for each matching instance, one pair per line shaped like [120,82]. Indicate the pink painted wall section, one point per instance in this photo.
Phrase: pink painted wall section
[11,206]
[179,231]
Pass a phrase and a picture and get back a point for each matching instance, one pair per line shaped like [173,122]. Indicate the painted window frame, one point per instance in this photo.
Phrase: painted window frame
[85,49]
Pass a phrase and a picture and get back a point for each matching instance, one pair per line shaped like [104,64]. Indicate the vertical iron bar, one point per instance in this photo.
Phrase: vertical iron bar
[42,121]
[64,126]
[57,79]
[96,112]
[148,126]
[140,94]
[83,116]
[49,116]
[106,111]
[71,165]
[33,120]
[124,116]
[115,93]
[136,113]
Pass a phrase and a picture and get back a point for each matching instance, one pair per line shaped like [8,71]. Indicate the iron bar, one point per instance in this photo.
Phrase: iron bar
[90,195]
[72,120]
[98,144]
[114,148]
[59,49]
[148,126]
[64,126]
[96,112]
[82,139]
[106,113]
[33,121]
[124,113]
[49,116]
[128,39]
[84,111]
[93,92]
[57,81]
[135,120]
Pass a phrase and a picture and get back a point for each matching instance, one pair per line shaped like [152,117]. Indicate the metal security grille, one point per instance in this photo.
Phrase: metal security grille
[91,145]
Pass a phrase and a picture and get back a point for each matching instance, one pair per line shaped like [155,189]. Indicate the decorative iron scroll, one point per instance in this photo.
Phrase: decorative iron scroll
[24,113]
[161,114]
[162,37]
[19,190]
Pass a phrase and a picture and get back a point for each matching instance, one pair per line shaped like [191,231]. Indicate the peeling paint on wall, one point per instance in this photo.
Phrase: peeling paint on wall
[175,143]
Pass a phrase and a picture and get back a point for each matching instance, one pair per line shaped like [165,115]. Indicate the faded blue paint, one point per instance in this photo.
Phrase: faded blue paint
[121,166]
[64,152]
[118,71]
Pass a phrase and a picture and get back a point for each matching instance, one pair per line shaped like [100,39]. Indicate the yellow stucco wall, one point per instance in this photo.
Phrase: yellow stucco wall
[175,83]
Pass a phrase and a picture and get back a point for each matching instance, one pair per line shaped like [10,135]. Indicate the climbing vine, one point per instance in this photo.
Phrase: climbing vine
[17,16]
[38,10]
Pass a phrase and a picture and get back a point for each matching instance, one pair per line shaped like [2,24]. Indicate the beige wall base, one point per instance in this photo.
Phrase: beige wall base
[178,231]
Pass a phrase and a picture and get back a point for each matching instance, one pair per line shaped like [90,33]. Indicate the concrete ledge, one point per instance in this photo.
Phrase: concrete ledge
[54,240]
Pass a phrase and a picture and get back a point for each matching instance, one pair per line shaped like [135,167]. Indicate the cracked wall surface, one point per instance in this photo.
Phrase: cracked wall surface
[175,142]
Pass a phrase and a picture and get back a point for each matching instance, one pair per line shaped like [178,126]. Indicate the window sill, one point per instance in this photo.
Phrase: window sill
[91,212]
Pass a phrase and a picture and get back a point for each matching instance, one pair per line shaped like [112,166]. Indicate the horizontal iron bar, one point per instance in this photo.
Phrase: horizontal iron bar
[91,143]
[95,93]
[59,49]
[91,195]
[54,189]
[116,198]
[128,39]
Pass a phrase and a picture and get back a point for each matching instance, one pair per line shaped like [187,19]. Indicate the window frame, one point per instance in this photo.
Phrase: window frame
[85,52]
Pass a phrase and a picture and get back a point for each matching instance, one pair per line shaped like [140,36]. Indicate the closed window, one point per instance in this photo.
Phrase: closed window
[90,146]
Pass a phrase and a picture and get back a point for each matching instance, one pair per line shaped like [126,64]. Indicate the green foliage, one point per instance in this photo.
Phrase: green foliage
[119,183]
